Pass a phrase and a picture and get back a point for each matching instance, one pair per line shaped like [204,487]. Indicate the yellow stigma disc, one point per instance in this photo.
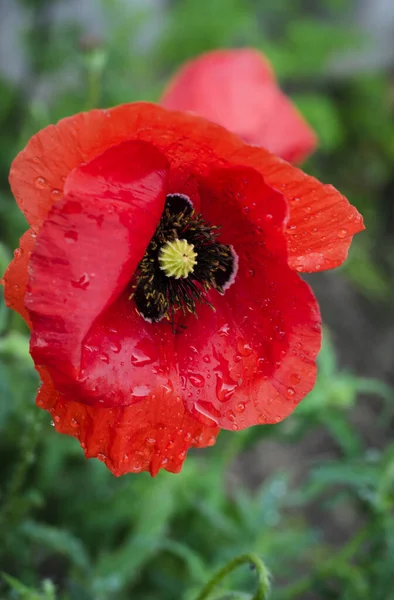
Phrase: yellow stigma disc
[177,259]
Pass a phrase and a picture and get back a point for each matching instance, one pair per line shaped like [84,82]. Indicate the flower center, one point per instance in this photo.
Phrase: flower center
[177,258]
[183,262]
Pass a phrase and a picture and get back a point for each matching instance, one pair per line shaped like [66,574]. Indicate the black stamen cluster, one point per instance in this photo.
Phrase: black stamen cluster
[157,295]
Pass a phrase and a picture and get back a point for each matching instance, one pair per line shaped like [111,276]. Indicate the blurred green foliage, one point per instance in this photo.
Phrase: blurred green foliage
[70,530]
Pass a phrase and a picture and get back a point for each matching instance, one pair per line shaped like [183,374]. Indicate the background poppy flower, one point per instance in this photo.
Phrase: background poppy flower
[238,89]
[101,191]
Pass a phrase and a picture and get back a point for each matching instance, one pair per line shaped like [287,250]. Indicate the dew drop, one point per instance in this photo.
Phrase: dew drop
[224,331]
[150,441]
[342,233]
[240,407]
[104,358]
[140,391]
[208,410]
[74,423]
[52,424]
[290,392]
[82,283]
[196,380]
[71,237]
[244,348]
[188,437]
[206,358]
[231,416]
[295,378]
[268,217]
[56,418]
[115,346]
[41,182]
[224,391]
[250,273]
[56,194]
[145,353]
[182,455]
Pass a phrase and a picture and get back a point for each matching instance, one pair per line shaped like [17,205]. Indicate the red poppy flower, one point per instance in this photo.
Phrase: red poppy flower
[238,89]
[142,219]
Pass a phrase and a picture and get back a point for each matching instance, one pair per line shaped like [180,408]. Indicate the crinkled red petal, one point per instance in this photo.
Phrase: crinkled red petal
[126,359]
[88,249]
[252,359]
[16,275]
[321,224]
[237,89]
[149,436]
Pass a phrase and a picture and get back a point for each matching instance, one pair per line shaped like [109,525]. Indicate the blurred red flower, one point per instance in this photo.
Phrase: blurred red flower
[140,217]
[238,89]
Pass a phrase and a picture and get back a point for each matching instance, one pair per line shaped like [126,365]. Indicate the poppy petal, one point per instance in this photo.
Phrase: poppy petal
[237,89]
[16,275]
[322,222]
[129,439]
[87,251]
[252,359]
[125,359]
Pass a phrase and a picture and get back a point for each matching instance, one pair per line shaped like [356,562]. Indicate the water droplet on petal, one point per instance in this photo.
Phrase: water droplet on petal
[82,283]
[295,378]
[290,392]
[56,418]
[224,391]
[56,194]
[144,353]
[244,348]
[74,423]
[240,407]
[71,237]
[342,233]
[196,380]
[140,391]
[224,331]
[41,182]
[206,358]
[104,358]
[115,346]
[208,410]
[231,416]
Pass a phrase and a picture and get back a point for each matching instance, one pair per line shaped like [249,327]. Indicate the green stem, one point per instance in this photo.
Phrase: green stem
[252,559]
